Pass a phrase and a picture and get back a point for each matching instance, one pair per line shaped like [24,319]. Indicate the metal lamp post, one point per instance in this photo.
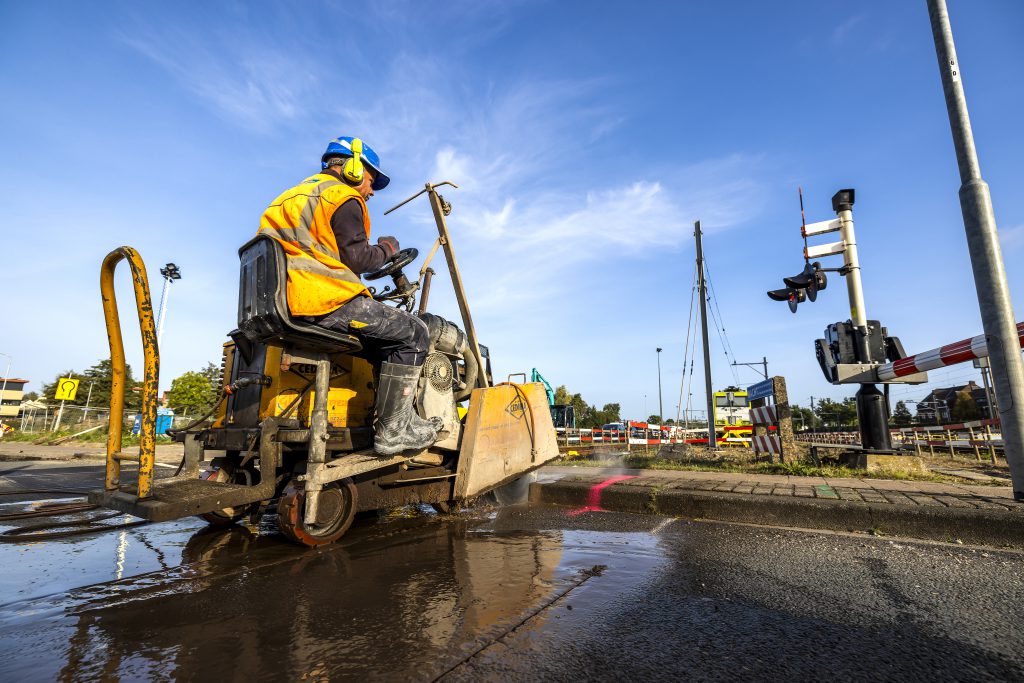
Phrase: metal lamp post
[7,373]
[986,255]
[170,272]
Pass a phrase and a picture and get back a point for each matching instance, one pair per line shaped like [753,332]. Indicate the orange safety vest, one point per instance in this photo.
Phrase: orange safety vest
[300,219]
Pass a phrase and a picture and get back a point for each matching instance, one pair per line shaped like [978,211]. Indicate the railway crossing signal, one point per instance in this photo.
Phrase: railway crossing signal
[793,296]
[811,279]
[801,287]
[852,351]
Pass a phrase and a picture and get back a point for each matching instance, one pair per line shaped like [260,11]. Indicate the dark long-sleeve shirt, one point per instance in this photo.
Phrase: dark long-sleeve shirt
[354,247]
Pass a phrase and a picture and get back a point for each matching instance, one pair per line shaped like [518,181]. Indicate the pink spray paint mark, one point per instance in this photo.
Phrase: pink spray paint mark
[594,496]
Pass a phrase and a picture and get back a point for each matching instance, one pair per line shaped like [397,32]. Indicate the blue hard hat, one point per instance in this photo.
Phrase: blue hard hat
[342,146]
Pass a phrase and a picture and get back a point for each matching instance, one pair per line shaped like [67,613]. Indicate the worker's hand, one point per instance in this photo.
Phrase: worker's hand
[390,245]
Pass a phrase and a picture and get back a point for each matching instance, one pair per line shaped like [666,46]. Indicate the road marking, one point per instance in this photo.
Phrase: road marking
[594,496]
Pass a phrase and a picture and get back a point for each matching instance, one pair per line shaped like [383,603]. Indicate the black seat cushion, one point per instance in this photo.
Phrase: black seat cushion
[263,309]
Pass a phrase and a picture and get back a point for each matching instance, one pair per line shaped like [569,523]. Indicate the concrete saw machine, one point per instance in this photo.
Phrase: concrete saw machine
[293,423]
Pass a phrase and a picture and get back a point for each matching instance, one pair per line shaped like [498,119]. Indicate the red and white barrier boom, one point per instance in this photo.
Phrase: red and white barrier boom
[950,354]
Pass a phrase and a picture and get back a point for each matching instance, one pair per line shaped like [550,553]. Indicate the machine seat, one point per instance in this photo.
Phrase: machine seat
[263,309]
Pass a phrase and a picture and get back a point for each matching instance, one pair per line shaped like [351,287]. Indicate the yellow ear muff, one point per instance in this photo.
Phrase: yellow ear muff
[353,168]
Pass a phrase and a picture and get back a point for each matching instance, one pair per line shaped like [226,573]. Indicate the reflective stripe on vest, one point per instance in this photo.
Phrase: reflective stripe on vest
[300,220]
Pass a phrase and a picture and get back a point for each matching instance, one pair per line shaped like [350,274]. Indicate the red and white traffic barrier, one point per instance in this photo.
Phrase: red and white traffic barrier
[765,415]
[766,443]
[950,354]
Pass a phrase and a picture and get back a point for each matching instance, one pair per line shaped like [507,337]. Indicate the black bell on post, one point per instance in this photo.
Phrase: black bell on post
[811,279]
[790,295]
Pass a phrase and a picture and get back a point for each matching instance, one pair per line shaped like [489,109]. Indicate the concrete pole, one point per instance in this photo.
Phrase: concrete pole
[88,399]
[661,409]
[60,414]
[702,293]
[993,291]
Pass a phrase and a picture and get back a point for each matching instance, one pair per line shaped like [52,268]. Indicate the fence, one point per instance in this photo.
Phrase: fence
[638,434]
[971,436]
[838,438]
[75,418]
[646,434]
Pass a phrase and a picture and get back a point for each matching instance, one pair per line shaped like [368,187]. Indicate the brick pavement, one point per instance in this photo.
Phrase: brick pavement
[878,491]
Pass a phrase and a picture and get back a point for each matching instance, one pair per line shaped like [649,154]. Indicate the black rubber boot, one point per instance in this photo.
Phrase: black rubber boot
[398,427]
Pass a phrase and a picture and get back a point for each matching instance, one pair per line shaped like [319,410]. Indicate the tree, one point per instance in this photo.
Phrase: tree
[100,376]
[654,419]
[193,391]
[965,408]
[588,416]
[213,373]
[804,418]
[610,413]
[901,416]
[835,414]
[30,396]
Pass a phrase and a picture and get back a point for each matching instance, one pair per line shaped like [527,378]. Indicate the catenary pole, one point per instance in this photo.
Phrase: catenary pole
[661,409]
[702,293]
[993,291]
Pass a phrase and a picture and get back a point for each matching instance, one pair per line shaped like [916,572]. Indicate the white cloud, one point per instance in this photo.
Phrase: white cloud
[237,73]
[542,215]
[842,32]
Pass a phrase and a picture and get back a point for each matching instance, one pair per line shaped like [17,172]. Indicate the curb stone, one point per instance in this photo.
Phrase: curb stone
[968,525]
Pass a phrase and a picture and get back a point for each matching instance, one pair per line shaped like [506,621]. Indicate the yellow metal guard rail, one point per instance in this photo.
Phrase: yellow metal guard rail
[151,371]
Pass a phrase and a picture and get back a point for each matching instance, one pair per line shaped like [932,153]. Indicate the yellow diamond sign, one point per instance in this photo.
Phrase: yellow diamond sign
[66,389]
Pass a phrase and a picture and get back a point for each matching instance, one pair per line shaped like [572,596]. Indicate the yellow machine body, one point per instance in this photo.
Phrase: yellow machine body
[275,438]
[349,402]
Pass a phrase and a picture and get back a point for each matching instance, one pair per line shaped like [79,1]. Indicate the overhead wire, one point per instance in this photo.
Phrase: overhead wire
[720,322]
[689,385]
[686,346]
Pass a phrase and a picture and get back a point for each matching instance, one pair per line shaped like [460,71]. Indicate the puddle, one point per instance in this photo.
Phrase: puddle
[406,597]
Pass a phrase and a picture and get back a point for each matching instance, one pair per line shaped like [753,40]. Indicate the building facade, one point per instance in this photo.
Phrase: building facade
[938,406]
[11,396]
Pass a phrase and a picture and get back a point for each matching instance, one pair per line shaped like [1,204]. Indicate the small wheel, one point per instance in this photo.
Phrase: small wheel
[335,511]
[224,517]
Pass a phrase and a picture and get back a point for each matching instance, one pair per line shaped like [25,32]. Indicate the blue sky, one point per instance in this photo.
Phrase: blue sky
[586,138]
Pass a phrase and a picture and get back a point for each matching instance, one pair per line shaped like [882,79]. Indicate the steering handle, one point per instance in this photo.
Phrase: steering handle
[394,264]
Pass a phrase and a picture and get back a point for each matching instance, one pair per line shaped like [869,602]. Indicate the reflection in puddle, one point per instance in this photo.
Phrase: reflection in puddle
[404,598]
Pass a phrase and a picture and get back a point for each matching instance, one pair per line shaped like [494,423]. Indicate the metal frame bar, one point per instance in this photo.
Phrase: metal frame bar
[316,457]
[151,370]
[444,239]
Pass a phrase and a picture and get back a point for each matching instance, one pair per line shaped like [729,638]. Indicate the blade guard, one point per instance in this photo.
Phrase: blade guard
[508,432]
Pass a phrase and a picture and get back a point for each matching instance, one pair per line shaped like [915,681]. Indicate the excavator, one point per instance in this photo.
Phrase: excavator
[293,424]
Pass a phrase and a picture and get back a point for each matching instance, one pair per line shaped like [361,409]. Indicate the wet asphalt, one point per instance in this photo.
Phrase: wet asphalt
[514,593]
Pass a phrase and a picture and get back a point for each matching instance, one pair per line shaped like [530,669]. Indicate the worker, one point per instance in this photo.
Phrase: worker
[324,227]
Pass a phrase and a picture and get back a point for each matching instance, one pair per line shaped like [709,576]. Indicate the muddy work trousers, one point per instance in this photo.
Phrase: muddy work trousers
[386,333]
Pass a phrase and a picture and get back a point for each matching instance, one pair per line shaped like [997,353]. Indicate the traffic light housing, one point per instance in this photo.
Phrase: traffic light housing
[811,278]
[802,286]
[789,294]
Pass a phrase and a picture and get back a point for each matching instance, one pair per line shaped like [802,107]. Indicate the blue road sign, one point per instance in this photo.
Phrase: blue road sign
[760,390]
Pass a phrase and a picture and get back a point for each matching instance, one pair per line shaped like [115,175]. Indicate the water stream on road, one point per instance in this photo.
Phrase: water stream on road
[407,596]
